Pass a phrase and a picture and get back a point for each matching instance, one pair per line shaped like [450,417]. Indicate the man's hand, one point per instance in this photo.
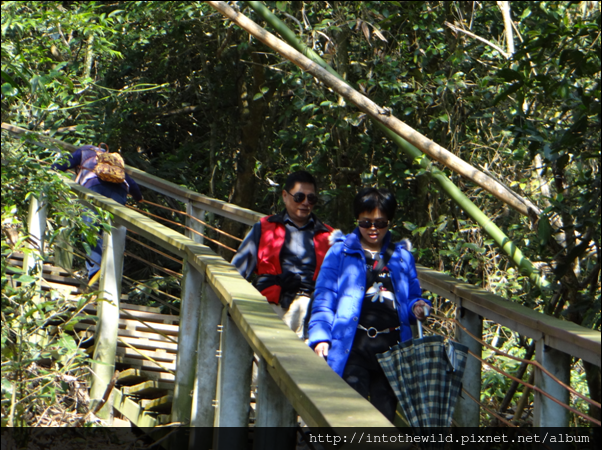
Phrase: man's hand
[322,349]
[418,309]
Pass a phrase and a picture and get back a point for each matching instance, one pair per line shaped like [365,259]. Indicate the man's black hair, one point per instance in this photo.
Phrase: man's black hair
[368,199]
[299,177]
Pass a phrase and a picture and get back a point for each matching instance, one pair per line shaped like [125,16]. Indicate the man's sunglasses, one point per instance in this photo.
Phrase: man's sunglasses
[299,197]
[378,223]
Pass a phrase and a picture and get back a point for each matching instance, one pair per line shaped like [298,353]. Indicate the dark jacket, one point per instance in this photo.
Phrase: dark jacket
[260,253]
[75,160]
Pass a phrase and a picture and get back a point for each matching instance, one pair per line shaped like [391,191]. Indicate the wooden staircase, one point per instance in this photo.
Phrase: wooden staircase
[146,349]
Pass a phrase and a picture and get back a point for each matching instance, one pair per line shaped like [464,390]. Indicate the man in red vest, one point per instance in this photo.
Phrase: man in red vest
[286,251]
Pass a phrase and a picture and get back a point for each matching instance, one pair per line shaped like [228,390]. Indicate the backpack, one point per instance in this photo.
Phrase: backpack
[106,166]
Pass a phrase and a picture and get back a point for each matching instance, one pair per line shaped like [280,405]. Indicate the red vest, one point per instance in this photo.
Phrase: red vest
[268,253]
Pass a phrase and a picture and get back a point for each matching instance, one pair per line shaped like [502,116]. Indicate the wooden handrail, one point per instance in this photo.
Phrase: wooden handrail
[562,335]
[320,396]
[314,394]
[225,209]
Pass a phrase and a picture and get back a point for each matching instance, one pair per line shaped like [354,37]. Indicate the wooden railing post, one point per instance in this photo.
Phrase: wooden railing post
[187,343]
[36,226]
[466,413]
[546,412]
[194,224]
[273,411]
[111,269]
[234,387]
[203,402]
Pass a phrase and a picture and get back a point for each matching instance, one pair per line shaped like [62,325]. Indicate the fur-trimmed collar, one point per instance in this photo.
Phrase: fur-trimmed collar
[336,235]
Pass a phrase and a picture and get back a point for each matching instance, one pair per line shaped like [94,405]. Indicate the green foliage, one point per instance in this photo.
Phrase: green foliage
[43,368]
[193,99]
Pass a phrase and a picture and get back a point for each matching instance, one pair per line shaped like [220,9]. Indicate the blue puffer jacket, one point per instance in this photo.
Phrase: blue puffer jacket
[340,289]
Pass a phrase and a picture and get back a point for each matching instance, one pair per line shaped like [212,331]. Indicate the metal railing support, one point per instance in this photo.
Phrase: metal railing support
[234,387]
[467,411]
[203,402]
[111,270]
[187,343]
[194,224]
[546,412]
[273,411]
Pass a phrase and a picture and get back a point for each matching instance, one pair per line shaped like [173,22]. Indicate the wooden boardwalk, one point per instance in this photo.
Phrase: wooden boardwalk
[147,347]
[206,391]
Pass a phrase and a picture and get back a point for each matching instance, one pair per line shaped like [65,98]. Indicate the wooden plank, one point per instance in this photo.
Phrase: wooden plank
[560,334]
[131,308]
[149,344]
[157,356]
[16,259]
[111,270]
[148,389]
[131,324]
[87,326]
[132,376]
[145,365]
[319,395]
[150,317]
[190,311]
[132,410]
[199,201]
[138,327]
[161,404]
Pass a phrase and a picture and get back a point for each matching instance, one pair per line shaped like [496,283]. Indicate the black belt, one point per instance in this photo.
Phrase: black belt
[373,332]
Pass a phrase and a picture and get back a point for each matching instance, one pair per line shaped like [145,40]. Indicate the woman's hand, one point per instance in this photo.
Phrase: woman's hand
[418,309]
[321,349]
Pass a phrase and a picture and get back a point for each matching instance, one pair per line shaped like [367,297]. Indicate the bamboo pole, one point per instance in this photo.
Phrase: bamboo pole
[378,114]
[391,126]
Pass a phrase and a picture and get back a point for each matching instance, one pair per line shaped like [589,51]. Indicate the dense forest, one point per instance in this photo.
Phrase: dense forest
[511,88]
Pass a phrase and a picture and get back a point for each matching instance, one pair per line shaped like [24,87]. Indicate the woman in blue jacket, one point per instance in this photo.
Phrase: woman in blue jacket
[362,306]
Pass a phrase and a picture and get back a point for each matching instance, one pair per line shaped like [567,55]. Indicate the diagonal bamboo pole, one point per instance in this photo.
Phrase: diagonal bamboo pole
[392,126]
[418,140]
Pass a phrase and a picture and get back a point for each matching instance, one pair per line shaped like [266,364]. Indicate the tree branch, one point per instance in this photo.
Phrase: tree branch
[505,8]
[472,35]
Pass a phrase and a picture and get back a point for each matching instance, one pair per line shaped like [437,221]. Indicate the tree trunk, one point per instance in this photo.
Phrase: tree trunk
[252,117]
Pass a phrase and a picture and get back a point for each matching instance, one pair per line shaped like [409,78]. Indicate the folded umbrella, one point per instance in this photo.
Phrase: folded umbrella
[426,376]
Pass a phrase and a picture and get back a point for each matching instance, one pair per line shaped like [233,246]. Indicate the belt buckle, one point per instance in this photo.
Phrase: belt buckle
[372,329]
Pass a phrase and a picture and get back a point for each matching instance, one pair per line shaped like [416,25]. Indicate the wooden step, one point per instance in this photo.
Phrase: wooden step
[140,354]
[134,325]
[87,325]
[150,344]
[50,272]
[128,313]
[132,308]
[130,377]
[145,365]
[162,404]
[149,389]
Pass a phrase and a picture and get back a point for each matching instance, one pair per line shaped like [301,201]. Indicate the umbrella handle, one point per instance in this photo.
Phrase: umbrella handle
[427,312]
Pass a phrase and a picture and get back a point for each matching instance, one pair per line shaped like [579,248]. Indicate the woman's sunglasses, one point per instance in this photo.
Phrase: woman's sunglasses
[299,197]
[378,223]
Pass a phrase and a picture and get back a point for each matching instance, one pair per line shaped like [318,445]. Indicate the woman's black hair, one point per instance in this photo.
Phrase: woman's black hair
[368,199]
